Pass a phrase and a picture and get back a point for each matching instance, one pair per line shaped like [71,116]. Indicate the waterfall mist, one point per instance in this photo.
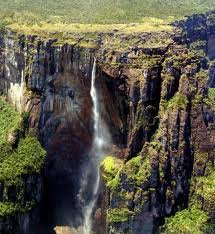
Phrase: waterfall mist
[91,177]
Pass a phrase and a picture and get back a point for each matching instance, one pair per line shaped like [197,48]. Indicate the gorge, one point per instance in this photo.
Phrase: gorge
[127,121]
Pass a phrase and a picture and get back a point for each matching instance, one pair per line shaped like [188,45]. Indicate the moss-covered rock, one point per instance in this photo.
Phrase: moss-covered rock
[179,101]
[10,208]
[137,171]
[9,120]
[192,220]
[21,161]
[210,99]
[111,166]
[203,193]
[27,159]
[118,215]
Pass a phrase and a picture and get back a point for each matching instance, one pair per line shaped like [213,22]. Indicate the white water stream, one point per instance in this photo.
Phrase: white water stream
[100,144]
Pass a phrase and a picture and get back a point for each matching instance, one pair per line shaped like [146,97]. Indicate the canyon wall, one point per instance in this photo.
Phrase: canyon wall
[169,160]
[156,93]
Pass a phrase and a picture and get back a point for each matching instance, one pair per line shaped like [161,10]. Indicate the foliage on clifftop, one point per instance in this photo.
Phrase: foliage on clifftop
[62,30]
[100,11]
[119,37]
[58,19]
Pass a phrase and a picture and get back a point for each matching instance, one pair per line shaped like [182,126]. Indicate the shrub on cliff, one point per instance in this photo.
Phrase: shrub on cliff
[178,101]
[210,99]
[110,166]
[21,160]
[204,191]
[118,215]
[9,120]
[26,159]
[189,221]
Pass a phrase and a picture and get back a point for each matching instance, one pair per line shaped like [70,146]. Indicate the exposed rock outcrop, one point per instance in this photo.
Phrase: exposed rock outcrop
[165,177]
[156,97]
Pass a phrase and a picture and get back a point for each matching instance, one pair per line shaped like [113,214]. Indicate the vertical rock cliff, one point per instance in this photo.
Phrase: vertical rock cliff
[21,162]
[170,155]
[156,96]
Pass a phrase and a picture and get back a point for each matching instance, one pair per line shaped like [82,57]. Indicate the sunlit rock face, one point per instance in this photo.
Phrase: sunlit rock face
[13,67]
[68,230]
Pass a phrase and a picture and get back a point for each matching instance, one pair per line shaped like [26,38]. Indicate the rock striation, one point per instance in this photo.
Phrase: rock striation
[156,93]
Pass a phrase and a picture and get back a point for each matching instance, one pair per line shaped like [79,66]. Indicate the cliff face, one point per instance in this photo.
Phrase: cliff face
[21,183]
[156,97]
[21,215]
[170,170]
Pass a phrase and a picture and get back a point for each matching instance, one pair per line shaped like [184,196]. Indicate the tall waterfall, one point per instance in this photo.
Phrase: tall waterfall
[91,180]
[100,137]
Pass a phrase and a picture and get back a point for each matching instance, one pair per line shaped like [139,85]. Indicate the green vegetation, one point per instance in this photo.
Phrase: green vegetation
[210,99]
[199,48]
[125,182]
[87,35]
[99,11]
[111,171]
[200,162]
[211,94]
[197,218]
[118,215]
[9,208]
[60,19]
[9,120]
[178,101]
[204,192]
[111,166]
[20,158]
[198,45]
[150,24]
[187,221]
[26,159]
[137,170]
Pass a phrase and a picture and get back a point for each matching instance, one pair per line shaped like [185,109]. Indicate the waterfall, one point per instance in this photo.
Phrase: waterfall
[100,136]
[100,145]
[16,91]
